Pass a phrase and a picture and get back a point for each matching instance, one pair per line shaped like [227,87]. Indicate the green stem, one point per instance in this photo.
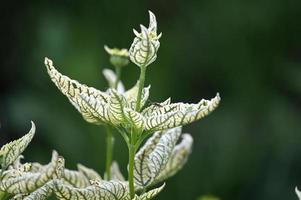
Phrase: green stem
[141,85]
[118,75]
[132,151]
[109,152]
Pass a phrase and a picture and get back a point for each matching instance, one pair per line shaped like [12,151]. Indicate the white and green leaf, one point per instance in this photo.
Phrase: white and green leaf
[179,114]
[11,151]
[152,193]
[105,190]
[131,96]
[116,173]
[72,89]
[177,159]
[112,78]
[153,156]
[42,193]
[90,174]
[30,181]
[75,178]
[143,50]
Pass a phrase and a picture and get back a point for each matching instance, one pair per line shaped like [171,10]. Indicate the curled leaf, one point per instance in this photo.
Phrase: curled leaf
[11,151]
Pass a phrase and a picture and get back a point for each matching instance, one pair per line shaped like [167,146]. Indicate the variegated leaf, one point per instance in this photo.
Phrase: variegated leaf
[144,48]
[116,106]
[151,194]
[42,193]
[102,190]
[115,172]
[153,156]
[29,181]
[11,151]
[88,172]
[131,96]
[15,172]
[95,109]
[111,78]
[135,119]
[177,159]
[147,112]
[179,114]
[75,178]
[72,90]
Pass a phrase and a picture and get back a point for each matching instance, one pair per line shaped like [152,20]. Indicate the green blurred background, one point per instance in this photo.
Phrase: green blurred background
[249,51]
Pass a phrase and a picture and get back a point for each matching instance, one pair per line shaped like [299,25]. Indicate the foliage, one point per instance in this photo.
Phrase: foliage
[159,158]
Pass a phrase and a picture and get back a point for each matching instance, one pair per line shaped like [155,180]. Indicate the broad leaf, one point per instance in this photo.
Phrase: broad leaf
[104,190]
[153,156]
[11,151]
[179,114]
[177,159]
[42,193]
[72,90]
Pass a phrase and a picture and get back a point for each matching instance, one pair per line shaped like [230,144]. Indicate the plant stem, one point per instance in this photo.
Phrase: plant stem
[109,152]
[132,151]
[141,85]
[118,75]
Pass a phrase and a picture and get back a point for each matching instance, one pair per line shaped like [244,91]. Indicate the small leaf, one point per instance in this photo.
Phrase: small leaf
[11,151]
[177,159]
[143,50]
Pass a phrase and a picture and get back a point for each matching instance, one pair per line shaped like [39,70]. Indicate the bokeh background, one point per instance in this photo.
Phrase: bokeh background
[249,51]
